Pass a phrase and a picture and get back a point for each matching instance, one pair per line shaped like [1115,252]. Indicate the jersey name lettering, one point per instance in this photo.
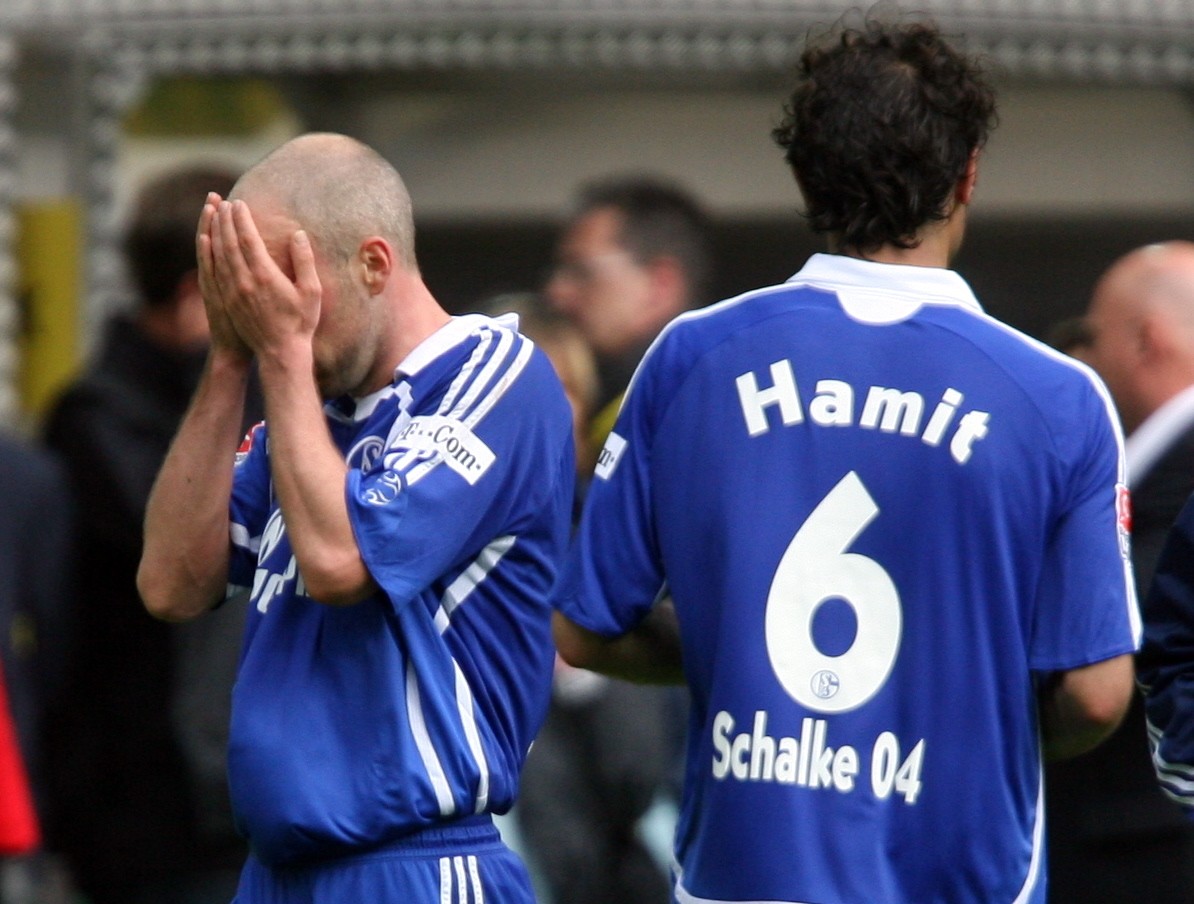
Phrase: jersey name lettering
[809,761]
[883,408]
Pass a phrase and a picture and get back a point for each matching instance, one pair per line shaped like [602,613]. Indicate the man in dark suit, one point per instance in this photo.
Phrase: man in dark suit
[1113,836]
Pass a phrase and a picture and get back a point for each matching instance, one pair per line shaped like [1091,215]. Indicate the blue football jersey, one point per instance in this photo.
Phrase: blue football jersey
[352,726]
[883,517]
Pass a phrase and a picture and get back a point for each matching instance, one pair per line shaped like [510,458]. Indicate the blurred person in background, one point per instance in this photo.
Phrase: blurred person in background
[138,804]
[34,596]
[1114,837]
[570,355]
[634,254]
[1072,336]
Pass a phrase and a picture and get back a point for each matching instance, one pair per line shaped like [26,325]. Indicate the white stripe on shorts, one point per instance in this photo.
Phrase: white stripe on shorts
[478,891]
[445,881]
[459,862]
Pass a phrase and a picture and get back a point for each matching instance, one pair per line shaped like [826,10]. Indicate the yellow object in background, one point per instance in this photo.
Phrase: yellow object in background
[49,253]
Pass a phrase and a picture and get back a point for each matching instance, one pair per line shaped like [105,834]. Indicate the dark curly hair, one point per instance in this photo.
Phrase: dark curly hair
[879,130]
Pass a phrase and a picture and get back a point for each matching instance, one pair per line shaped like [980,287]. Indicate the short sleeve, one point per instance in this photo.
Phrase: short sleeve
[448,484]
[1086,607]
[614,573]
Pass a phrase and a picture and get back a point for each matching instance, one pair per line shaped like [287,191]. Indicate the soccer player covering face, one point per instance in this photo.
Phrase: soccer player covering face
[398,518]
[894,529]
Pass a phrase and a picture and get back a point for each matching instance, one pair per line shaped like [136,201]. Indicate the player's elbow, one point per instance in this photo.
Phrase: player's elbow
[164,599]
[337,581]
[1107,697]
[1090,704]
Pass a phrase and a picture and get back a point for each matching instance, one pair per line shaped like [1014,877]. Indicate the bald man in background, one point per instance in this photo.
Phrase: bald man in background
[1113,835]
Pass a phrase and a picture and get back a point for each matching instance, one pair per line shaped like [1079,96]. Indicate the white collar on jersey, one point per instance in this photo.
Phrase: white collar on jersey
[1156,434]
[884,293]
[448,336]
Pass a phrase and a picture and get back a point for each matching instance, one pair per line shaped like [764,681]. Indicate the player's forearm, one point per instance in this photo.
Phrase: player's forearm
[309,476]
[650,654]
[1084,706]
[184,561]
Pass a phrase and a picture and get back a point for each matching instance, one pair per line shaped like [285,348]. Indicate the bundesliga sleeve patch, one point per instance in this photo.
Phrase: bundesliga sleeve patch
[1123,518]
[455,444]
[246,444]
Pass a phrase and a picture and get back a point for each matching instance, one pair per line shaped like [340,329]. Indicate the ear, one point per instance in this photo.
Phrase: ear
[966,185]
[376,260]
[668,285]
[1154,338]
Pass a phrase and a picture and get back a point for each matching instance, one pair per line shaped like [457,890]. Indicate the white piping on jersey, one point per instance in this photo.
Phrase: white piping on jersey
[468,721]
[1038,840]
[431,761]
[468,389]
[458,591]
[239,534]
[450,407]
[469,579]
[467,372]
[471,381]
[462,868]
[504,382]
[488,371]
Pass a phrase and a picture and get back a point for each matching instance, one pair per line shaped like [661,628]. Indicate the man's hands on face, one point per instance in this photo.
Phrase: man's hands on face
[253,305]
[223,334]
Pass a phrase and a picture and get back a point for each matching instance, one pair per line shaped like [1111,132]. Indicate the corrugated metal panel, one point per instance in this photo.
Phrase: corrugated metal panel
[1150,40]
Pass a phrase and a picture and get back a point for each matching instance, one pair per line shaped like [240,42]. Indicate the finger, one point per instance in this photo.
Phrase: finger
[231,267]
[203,243]
[306,277]
[219,248]
[254,254]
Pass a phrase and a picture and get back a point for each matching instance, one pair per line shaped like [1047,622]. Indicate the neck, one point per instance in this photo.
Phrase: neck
[936,245]
[415,315]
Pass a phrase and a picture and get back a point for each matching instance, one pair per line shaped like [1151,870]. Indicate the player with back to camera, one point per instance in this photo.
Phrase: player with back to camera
[888,523]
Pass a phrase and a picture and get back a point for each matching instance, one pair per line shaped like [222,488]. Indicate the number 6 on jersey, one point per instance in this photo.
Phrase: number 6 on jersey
[816,567]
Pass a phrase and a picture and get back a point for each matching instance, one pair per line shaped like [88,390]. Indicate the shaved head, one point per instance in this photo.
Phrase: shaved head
[1159,276]
[1141,321]
[337,189]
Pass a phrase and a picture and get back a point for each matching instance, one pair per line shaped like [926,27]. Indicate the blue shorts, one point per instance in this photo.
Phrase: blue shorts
[465,863]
